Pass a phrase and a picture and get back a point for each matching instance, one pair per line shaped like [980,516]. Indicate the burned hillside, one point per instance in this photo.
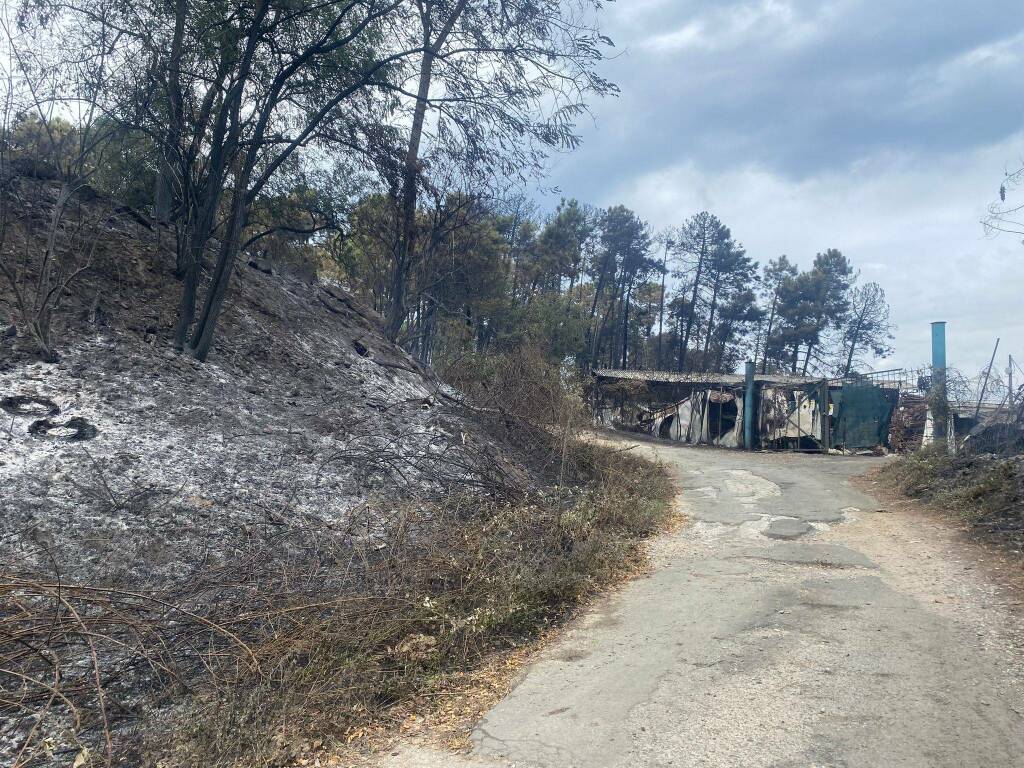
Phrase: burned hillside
[305,412]
[173,527]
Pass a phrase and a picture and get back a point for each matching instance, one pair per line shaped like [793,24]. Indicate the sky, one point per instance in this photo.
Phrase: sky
[882,129]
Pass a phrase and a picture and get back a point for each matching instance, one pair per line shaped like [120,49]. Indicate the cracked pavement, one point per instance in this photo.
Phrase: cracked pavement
[791,622]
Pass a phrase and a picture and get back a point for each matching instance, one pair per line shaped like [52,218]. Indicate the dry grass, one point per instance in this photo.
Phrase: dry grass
[449,585]
[986,490]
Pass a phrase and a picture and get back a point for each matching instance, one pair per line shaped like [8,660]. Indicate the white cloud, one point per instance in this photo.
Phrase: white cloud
[999,59]
[777,23]
[690,35]
[1001,53]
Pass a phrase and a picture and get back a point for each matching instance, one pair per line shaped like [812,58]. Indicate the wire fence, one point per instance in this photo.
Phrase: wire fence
[915,380]
[997,428]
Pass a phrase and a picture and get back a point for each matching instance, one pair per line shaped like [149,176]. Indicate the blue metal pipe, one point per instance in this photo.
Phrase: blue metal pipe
[938,347]
[748,408]
[939,405]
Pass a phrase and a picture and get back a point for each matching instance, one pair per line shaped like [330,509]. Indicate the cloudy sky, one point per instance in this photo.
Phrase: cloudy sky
[879,128]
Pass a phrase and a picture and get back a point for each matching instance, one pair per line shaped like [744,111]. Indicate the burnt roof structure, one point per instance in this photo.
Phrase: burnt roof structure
[701,377]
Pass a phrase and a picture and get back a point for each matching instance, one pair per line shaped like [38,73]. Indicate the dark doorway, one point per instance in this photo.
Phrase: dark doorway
[721,417]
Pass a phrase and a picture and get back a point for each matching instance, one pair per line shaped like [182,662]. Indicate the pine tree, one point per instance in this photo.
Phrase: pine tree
[700,237]
[730,273]
[867,328]
[775,274]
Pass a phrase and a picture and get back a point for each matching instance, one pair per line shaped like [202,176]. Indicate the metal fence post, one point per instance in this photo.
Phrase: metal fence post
[826,418]
[748,408]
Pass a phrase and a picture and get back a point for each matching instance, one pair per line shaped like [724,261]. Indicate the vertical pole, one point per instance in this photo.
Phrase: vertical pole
[984,385]
[748,407]
[721,402]
[826,418]
[799,429]
[939,404]
[939,348]
[760,425]
[661,303]
[1009,382]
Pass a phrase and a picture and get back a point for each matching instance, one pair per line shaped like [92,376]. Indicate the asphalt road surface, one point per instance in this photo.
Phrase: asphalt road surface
[790,623]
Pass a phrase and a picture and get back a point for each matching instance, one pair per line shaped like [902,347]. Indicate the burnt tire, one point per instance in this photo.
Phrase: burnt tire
[29,405]
[73,430]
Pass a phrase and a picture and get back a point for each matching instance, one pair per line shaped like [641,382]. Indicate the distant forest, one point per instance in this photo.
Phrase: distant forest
[595,286]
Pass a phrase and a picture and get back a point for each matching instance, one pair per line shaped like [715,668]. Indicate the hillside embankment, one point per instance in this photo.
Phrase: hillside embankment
[238,562]
[984,491]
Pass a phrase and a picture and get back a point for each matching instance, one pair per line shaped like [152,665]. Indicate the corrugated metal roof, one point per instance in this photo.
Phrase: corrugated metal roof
[967,409]
[723,379]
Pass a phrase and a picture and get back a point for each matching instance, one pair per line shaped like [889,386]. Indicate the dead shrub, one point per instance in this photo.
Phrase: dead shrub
[441,587]
[919,474]
[39,280]
[525,401]
[985,489]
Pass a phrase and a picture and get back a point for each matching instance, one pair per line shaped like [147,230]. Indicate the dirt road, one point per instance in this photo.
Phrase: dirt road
[790,623]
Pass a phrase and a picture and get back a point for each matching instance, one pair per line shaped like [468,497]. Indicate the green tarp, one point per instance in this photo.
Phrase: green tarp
[861,416]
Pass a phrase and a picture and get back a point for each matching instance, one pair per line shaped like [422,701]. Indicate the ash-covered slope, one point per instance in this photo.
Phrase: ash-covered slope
[303,414]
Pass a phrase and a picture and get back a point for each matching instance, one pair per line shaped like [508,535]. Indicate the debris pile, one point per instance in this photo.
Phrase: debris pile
[906,430]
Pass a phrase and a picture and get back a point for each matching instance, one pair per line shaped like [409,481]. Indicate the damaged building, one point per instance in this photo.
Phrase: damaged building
[882,410]
[787,412]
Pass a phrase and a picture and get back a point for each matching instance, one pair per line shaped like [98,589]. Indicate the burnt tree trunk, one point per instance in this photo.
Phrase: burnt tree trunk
[693,302]
[411,168]
[202,338]
[768,332]
[625,324]
[711,321]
